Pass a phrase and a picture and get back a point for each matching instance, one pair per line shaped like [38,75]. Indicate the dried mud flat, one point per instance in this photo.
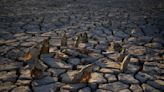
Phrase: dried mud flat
[81,46]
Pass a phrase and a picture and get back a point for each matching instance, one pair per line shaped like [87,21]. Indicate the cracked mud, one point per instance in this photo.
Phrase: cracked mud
[81,46]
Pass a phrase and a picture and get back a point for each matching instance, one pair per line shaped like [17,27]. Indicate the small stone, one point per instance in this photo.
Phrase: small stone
[124,90]
[97,78]
[127,78]
[136,88]
[87,89]
[148,88]
[110,77]
[21,89]
[159,84]
[74,61]
[115,86]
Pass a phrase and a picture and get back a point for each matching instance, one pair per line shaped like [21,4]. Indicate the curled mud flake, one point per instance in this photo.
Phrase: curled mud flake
[36,73]
[84,38]
[38,69]
[124,63]
[60,55]
[45,46]
[27,56]
[114,47]
[78,40]
[84,74]
[85,77]
[121,55]
[64,40]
